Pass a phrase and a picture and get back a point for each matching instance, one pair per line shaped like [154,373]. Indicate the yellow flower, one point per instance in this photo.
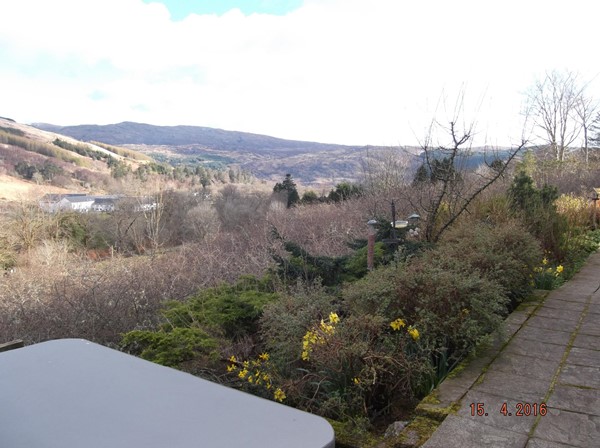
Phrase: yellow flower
[279,395]
[305,355]
[356,380]
[231,368]
[333,318]
[263,356]
[559,268]
[232,359]
[246,364]
[397,324]
[242,374]
[545,261]
[326,328]
[414,333]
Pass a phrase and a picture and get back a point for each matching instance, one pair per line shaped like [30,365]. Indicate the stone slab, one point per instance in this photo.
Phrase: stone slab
[493,415]
[543,335]
[594,308]
[517,317]
[525,366]
[590,325]
[580,376]
[561,304]
[557,313]
[537,349]
[470,433]
[551,323]
[584,357]
[575,399]
[587,341]
[571,428]
[540,443]
[513,386]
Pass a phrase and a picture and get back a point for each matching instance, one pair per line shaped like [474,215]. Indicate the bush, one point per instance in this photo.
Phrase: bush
[169,348]
[284,322]
[505,253]
[230,310]
[448,302]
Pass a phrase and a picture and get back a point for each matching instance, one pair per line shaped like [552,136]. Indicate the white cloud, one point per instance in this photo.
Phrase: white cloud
[344,71]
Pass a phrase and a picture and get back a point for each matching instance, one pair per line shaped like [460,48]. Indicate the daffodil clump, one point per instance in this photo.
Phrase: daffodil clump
[399,323]
[318,335]
[255,373]
[546,276]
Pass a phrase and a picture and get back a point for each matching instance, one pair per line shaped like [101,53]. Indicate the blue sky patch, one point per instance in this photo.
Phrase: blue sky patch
[180,9]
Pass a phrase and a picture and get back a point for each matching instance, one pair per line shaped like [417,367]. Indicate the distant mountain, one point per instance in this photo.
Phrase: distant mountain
[217,139]
[266,157]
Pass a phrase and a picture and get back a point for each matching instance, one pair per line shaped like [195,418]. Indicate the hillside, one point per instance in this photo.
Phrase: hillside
[35,161]
[219,139]
[265,157]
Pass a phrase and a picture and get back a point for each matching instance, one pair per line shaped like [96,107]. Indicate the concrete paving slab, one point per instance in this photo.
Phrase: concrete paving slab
[594,309]
[572,295]
[469,433]
[590,326]
[587,341]
[557,313]
[539,443]
[544,335]
[571,428]
[584,357]
[575,399]
[499,411]
[517,318]
[551,323]
[580,376]
[512,386]
[525,366]
[537,349]
[561,304]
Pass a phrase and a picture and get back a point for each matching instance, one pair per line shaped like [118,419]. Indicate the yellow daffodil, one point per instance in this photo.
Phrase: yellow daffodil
[356,380]
[397,324]
[414,333]
[263,356]
[333,318]
[232,359]
[545,261]
[243,373]
[231,368]
[279,395]
[559,268]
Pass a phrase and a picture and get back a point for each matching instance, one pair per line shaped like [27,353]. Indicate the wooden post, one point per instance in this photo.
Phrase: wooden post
[371,245]
[594,199]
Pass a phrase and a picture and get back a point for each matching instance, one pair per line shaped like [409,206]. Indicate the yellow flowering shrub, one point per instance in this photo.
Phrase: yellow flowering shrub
[256,373]
[318,335]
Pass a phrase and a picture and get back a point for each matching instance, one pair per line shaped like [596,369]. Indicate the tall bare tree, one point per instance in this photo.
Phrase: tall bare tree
[554,104]
[586,109]
[451,187]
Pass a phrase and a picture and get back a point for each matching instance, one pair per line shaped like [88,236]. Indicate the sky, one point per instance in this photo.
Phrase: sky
[335,71]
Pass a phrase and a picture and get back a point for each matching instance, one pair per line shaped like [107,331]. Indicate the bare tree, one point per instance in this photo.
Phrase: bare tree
[555,104]
[451,187]
[586,110]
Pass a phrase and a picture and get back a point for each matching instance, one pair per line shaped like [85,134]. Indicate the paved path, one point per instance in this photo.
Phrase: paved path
[552,358]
